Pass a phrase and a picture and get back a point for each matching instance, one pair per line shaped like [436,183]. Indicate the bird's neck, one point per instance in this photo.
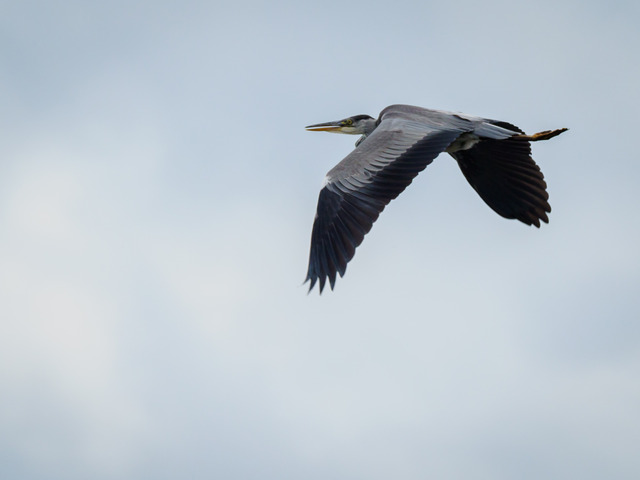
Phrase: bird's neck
[369,126]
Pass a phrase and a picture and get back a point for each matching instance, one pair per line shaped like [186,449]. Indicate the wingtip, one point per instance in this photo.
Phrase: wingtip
[311,280]
[320,281]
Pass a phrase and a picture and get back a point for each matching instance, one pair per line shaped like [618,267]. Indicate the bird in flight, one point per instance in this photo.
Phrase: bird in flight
[494,156]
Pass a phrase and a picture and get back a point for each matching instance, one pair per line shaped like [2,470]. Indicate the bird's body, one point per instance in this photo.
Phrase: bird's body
[494,156]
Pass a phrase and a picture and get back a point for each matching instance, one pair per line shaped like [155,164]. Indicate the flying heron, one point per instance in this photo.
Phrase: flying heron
[494,156]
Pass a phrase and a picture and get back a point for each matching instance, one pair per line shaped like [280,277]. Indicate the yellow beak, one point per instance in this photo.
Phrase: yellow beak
[325,127]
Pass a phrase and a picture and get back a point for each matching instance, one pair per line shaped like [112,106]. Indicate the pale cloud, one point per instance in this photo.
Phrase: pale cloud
[156,198]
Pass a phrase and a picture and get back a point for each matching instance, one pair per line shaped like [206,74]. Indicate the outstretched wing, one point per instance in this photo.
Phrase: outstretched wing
[359,187]
[505,176]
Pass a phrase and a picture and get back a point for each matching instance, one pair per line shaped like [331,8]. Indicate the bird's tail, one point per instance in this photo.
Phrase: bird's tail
[546,135]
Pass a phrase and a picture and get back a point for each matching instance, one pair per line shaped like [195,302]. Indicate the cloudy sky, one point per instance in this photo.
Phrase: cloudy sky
[157,191]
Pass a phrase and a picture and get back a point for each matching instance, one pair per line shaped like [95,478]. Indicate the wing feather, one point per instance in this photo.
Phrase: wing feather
[505,176]
[359,188]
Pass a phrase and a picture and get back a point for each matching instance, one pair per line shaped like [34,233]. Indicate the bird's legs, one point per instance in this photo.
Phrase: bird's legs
[546,135]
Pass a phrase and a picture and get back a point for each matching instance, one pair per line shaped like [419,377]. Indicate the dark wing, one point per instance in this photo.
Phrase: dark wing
[506,177]
[359,187]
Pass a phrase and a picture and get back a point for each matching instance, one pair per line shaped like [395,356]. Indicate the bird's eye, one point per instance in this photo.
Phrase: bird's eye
[348,122]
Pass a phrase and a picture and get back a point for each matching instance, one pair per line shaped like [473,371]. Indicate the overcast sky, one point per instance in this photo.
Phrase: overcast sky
[157,191]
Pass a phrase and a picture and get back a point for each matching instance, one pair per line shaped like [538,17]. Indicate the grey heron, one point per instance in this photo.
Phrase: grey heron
[494,156]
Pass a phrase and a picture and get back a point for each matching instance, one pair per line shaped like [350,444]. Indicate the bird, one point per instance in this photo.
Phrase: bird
[494,156]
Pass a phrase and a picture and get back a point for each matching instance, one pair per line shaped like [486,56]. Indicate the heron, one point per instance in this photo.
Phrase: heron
[494,156]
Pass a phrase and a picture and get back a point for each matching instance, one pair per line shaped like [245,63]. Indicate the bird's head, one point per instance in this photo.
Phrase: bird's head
[356,125]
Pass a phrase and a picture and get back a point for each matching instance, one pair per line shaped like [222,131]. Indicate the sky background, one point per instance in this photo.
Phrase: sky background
[157,191]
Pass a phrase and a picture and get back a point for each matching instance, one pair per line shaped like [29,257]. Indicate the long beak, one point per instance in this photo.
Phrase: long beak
[325,127]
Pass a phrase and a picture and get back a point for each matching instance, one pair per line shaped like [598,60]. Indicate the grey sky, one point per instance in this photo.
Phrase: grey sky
[157,190]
